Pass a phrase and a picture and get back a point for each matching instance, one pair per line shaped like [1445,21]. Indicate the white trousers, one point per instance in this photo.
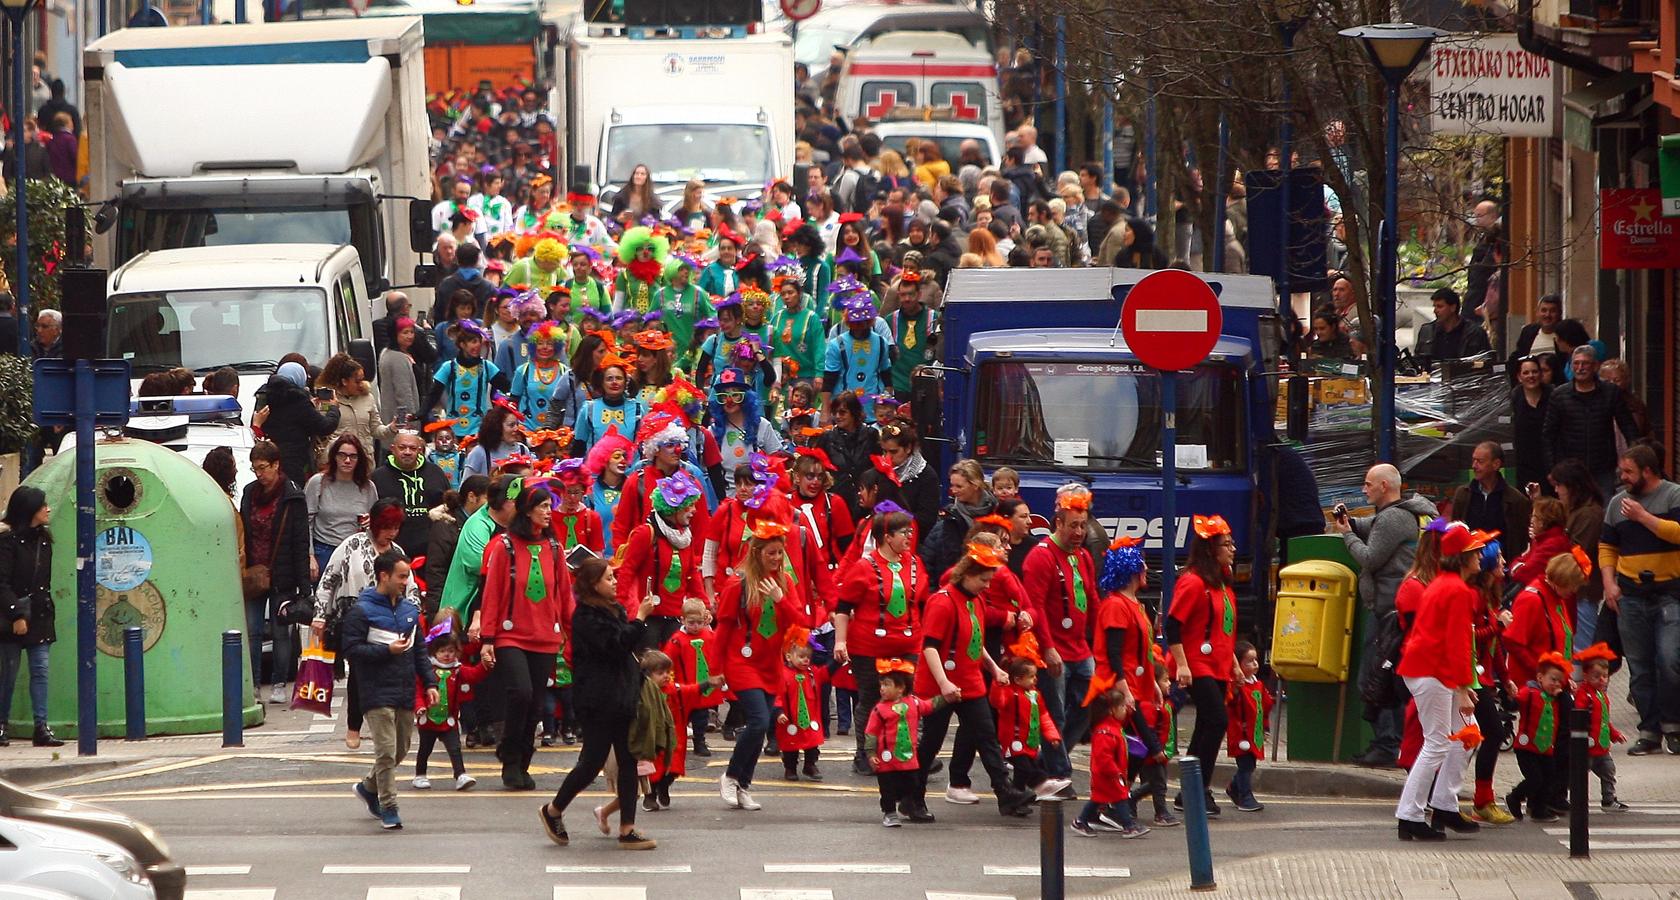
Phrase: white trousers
[1438,772]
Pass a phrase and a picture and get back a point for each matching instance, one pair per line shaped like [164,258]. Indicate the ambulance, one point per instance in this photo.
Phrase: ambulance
[923,70]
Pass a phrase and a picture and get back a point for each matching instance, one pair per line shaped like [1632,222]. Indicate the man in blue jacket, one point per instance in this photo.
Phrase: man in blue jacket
[382,640]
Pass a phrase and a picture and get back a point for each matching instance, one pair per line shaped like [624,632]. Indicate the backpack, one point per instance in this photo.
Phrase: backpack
[868,185]
[1378,683]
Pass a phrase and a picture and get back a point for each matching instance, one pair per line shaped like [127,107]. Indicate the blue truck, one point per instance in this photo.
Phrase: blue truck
[1034,374]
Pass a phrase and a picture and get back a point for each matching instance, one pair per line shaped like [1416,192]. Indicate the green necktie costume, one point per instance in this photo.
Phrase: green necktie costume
[1258,696]
[974,632]
[767,621]
[702,671]
[673,575]
[1034,735]
[535,588]
[438,713]
[1603,719]
[897,605]
[804,718]
[1545,731]
[1080,601]
[902,749]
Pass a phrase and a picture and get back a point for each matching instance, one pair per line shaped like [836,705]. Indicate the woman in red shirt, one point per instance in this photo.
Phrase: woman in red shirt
[953,655]
[661,557]
[1438,663]
[878,606]
[525,579]
[753,614]
[1202,634]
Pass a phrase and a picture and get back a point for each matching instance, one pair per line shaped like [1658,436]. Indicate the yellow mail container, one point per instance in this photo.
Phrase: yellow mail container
[1313,634]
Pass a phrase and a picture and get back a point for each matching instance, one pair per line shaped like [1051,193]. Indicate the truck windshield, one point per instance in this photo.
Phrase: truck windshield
[174,228]
[1106,416]
[202,330]
[675,153]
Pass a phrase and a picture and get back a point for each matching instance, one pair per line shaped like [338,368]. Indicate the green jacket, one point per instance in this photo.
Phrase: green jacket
[465,583]
[654,733]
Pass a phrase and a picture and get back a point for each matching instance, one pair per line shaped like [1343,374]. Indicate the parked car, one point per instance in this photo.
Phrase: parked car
[135,841]
[66,861]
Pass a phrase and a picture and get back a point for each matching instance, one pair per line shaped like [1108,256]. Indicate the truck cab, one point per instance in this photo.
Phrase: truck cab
[1035,375]
[244,306]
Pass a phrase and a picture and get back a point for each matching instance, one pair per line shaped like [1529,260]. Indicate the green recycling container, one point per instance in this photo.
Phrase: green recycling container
[166,558]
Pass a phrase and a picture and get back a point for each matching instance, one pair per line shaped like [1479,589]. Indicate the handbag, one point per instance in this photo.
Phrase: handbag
[314,688]
[257,581]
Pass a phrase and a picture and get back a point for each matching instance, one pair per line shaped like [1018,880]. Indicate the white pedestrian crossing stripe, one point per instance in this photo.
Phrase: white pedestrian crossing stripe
[598,892]
[1626,831]
[236,894]
[199,871]
[1630,845]
[786,894]
[395,870]
[1068,871]
[414,893]
[620,870]
[947,895]
[837,868]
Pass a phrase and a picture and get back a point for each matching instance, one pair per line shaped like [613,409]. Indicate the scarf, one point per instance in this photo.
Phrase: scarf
[967,513]
[677,539]
[912,466]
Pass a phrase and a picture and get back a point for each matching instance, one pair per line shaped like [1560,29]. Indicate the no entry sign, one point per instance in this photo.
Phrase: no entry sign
[1171,320]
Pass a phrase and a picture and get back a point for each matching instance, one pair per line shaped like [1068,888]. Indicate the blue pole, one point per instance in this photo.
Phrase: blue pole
[104,12]
[134,680]
[233,689]
[1388,273]
[1169,488]
[1286,154]
[1196,840]
[1220,189]
[87,686]
[1060,159]
[239,15]
[204,14]
[1051,853]
[1150,138]
[1108,143]
[20,103]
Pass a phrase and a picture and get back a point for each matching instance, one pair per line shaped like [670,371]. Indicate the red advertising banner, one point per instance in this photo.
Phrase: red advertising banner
[1632,232]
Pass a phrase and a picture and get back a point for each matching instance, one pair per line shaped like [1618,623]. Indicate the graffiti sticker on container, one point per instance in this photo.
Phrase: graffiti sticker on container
[122,558]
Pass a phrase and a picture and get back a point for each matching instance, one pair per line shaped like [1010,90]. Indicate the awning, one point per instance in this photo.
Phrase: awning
[1583,107]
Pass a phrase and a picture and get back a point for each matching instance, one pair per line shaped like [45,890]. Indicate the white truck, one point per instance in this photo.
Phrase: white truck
[292,132]
[719,109]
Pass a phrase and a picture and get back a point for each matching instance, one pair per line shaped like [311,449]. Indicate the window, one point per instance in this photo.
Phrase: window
[1107,416]
[675,153]
[351,322]
[965,99]
[877,98]
[204,330]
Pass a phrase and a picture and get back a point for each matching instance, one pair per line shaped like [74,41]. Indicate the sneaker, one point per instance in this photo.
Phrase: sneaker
[1167,820]
[279,694]
[663,794]
[747,802]
[790,774]
[388,819]
[353,740]
[650,803]
[702,750]
[1643,747]
[553,827]
[1613,805]
[601,821]
[730,789]
[810,772]
[860,766]
[1671,743]
[1083,829]
[635,840]
[1491,814]
[891,820]
[1543,814]
[548,740]
[916,812]
[1050,787]
[961,796]
[465,782]
[1249,804]
[369,798]
[422,783]
[1136,831]
[1105,823]
[568,738]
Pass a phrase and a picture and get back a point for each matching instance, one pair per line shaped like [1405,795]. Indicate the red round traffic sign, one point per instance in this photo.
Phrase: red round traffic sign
[800,10]
[1171,320]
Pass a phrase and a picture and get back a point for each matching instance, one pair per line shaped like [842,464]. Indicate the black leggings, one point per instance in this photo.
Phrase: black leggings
[451,741]
[867,696]
[525,676]
[352,700]
[1493,732]
[1208,694]
[600,737]
[974,716]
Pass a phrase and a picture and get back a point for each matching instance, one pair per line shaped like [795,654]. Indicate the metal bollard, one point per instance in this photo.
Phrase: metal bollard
[233,689]
[134,680]
[1580,727]
[1050,850]
[1195,823]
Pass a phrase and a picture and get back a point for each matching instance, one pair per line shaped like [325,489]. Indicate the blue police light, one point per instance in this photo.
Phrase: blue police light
[197,407]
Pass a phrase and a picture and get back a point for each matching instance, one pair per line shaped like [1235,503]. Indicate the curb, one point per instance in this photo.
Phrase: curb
[60,769]
[1286,779]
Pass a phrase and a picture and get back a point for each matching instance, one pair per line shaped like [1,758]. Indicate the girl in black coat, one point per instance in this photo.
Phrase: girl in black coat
[27,626]
[292,421]
[606,682]
[916,479]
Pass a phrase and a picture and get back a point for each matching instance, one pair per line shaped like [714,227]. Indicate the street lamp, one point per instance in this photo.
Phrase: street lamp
[1288,17]
[1395,49]
[17,12]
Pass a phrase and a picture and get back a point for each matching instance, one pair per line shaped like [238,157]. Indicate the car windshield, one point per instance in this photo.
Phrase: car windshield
[676,153]
[203,330]
[1107,416]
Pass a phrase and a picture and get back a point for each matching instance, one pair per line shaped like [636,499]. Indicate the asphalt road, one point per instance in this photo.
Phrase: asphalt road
[285,825]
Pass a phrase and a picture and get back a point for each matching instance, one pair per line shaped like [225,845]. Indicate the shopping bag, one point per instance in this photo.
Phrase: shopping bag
[314,687]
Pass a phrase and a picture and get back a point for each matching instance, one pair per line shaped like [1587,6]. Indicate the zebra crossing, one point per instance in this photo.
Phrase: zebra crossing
[1632,830]
[205,878]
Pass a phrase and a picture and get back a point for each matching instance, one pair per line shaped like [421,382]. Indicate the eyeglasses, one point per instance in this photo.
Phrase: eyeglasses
[352,455]
[732,396]
[261,467]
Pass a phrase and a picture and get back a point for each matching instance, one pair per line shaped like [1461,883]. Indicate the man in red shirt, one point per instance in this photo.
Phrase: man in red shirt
[1061,577]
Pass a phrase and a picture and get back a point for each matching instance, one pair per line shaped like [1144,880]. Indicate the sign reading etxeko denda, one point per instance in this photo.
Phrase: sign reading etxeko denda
[1488,84]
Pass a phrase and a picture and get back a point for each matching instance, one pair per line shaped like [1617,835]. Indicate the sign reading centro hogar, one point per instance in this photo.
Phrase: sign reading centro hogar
[1488,84]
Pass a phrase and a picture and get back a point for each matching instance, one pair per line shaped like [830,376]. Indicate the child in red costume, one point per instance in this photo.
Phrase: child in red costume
[800,721]
[1151,770]
[1109,808]
[437,721]
[890,736]
[1538,730]
[681,697]
[1594,696]
[574,523]
[727,534]
[1024,728]
[1248,704]
[693,652]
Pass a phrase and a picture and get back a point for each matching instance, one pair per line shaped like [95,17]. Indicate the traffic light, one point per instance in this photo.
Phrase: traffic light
[83,308]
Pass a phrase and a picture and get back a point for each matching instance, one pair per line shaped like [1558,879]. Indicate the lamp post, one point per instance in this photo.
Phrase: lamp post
[1395,49]
[1288,17]
[17,12]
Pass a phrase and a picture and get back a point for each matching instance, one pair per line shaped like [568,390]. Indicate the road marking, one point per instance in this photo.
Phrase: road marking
[598,892]
[1068,871]
[786,894]
[1628,830]
[395,870]
[239,894]
[620,870]
[194,871]
[414,893]
[945,895]
[1631,845]
[837,868]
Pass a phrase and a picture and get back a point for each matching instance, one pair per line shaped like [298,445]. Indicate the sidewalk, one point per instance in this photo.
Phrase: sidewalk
[1431,875]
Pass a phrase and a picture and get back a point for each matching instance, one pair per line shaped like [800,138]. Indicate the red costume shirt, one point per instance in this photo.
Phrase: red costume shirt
[893,725]
[1538,726]
[830,521]
[1023,720]
[750,643]
[1123,626]
[1442,640]
[728,529]
[951,624]
[884,601]
[675,574]
[511,616]
[635,504]
[581,527]
[1531,566]
[454,685]
[1109,759]
[1247,704]
[1601,732]
[681,700]
[694,658]
[1064,585]
[799,702]
[1540,624]
[1207,626]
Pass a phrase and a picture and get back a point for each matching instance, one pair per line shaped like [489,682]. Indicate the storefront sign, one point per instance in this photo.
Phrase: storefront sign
[1488,84]
[1631,233]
